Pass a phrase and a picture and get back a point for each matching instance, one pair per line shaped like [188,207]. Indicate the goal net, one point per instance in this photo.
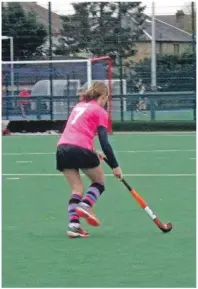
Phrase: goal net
[53,86]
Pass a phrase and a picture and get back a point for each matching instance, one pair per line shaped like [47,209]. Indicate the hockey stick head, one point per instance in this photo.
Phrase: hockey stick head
[166,227]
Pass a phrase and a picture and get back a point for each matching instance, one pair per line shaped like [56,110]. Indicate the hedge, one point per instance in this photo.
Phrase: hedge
[44,125]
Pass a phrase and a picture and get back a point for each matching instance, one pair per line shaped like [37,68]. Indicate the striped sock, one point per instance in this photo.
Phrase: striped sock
[73,202]
[93,194]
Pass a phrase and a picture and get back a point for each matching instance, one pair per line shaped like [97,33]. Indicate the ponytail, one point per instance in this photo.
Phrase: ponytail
[97,89]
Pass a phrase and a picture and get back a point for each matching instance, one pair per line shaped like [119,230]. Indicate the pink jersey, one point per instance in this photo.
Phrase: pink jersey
[82,124]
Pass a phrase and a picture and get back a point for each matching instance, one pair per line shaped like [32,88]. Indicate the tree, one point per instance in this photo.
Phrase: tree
[29,35]
[101,28]
[174,73]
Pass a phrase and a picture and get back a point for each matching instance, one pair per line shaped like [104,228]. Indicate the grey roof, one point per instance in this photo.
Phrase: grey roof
[180,20]
[170,19]
[167,32]
[164,31]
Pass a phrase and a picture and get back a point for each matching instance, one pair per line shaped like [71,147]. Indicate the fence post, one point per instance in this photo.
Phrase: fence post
[38,107]
[7,106]
[131,109]
[194,109]
[153,51]
[50,58]
[68,106]
[120,60]
[193,41]
[152,109]
[121,86]
[153,62]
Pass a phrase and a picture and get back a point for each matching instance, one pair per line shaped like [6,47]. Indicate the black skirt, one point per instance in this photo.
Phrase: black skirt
[74,157]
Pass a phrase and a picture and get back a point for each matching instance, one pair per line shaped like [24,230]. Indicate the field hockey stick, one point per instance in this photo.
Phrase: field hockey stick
[167,227]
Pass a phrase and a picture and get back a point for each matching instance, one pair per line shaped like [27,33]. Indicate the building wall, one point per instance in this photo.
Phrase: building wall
[144,49]
[172,48]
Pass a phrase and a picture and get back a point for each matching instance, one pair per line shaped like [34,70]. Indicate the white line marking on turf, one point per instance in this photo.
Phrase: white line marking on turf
[107,175]
[157,134]
[30,153]
[157,151]
[164,133]
[193,158]
[118,151]
[12,178]
[23,162]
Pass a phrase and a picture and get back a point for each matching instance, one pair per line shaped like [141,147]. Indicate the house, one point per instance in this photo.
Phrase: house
[170,39]
[173,32]
[180,20]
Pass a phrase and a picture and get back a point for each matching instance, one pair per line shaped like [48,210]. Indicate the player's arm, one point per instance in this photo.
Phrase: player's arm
[108,151]
[102,132]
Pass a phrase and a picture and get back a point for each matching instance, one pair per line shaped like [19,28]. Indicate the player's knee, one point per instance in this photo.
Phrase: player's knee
[99,186]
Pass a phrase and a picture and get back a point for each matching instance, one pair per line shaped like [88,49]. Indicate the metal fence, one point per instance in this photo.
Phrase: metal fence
[148,107]
[172,74]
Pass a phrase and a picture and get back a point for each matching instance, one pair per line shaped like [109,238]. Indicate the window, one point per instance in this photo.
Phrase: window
[176,48]
[160,48]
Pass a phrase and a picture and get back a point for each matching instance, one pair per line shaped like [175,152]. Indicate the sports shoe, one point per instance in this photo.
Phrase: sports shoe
[87,213]
[74,232]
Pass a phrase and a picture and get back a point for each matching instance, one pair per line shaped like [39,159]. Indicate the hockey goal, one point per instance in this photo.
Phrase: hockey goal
[60,79]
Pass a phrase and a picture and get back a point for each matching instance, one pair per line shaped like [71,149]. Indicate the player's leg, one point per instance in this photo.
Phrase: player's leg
[67,164]
[74,180]
[21,105]
[84,209]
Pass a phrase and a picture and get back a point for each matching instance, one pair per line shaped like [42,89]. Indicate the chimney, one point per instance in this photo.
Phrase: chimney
[180,19]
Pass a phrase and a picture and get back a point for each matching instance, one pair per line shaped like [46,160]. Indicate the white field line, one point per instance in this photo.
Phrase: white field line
[12,178]
[158,151]
[23,162]
[161,133]
[107,175]
[193,158]
[117,151]
[164,133]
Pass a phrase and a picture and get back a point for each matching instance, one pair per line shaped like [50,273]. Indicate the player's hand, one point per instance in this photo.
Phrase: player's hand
[118,173]
[100,155]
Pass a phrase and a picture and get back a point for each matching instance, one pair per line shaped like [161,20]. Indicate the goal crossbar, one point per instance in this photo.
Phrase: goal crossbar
[89,61]
[45,61]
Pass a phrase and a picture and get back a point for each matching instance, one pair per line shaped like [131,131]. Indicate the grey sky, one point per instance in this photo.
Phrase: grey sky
[161,7]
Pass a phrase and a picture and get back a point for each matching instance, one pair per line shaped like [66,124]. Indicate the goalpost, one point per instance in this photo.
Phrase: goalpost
[108,59]
[58,78]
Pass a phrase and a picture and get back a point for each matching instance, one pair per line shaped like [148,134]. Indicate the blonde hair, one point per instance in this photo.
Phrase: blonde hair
[97,89]
[81,90]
